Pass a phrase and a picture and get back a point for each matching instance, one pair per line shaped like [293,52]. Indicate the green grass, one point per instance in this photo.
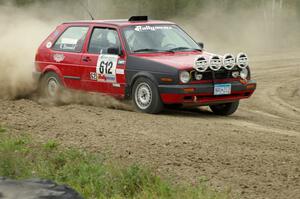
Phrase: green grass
[2,130]
[88,173]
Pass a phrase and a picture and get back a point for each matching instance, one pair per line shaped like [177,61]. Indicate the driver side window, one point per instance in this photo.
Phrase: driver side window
[102,39]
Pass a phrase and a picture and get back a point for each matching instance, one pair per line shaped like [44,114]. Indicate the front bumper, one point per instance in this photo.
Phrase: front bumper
[203,94]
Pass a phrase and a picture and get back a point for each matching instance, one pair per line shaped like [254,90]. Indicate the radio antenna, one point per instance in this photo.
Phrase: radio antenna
[86,9]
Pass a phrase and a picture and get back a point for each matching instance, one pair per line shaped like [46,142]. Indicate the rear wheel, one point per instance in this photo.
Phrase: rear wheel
[145,96]
[225,109]
[51,86]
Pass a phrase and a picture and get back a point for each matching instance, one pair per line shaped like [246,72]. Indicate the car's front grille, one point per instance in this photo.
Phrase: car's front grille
[210,75]
[216,75]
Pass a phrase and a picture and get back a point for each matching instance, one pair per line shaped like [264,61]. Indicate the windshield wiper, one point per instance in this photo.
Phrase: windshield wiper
[182,48]
[146,50]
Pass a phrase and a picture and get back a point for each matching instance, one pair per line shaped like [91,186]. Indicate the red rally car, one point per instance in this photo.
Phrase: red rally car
[154,63]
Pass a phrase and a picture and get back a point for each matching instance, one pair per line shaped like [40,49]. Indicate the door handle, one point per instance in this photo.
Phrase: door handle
[86,59]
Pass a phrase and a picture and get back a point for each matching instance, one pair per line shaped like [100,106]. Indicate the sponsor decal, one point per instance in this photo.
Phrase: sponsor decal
[117,85]
[93,76]
[106,68]
[68,44]
[58,57]
[49,44]
[152,28]
[121,62]
[120,71]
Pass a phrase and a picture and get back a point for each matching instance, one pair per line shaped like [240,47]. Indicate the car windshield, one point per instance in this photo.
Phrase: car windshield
[158,38]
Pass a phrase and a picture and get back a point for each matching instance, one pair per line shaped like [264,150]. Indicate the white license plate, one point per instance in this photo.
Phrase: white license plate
[222,89]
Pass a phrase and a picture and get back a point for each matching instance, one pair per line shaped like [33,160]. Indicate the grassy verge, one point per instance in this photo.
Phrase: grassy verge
[87,173]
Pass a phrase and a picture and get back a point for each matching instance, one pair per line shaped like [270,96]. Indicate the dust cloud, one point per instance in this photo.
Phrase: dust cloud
[67,97]
[22,30]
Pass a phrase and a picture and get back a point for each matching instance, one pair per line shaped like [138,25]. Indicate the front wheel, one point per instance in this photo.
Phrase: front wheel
[145,96]
[225,109]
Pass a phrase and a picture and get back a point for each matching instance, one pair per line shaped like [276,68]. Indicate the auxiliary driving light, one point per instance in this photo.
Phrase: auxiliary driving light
[244,73]
[198,76]
[235,74]
[215,63]
[242,60]
[201,64]
[228,61]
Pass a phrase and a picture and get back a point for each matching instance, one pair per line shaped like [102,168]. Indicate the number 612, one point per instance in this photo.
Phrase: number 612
[105,67]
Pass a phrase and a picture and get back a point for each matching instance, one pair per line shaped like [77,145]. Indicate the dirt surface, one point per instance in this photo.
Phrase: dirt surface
[255,152]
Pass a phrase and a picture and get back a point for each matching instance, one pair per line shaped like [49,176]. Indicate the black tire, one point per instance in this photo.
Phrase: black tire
[44,89]
[225,109]
[152,106]
[36,188]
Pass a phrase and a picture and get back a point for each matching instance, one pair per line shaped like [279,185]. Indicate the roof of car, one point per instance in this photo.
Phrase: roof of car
[120,22]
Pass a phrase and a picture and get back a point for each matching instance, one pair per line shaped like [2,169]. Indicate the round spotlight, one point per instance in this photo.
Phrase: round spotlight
[235,74]
[229,61]
[244,73]
[242,60]
[198,76]
[201,64]
[215,63]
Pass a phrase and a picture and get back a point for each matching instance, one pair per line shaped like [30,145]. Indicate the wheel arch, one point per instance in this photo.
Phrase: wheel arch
[52,68]
[138,75]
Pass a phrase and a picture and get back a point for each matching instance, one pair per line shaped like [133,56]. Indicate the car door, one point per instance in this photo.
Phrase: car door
[66,55]
[105,69]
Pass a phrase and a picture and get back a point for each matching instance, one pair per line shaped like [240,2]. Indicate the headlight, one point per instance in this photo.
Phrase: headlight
[184,77]
[242,60]
[215,63]
[244,73]
[228,61]
[201,64]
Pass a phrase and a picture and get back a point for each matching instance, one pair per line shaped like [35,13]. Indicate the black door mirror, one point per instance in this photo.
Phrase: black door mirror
[201,45]
[114,51]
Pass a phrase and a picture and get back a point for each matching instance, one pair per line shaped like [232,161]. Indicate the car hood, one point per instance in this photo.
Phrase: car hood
[179,60]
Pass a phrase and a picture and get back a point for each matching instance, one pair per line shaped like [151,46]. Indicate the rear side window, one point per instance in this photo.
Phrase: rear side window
[71,40]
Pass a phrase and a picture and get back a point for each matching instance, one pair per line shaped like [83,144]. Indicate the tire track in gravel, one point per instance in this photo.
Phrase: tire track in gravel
[275,111]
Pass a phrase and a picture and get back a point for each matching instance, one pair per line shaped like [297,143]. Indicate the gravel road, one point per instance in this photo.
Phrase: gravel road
[255,153]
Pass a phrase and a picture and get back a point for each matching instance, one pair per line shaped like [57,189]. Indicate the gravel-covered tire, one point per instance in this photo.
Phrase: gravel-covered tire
[225,109]
[51,86]
[145,96]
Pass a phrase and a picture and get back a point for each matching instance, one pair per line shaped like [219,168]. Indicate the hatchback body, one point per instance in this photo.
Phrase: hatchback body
[154,63]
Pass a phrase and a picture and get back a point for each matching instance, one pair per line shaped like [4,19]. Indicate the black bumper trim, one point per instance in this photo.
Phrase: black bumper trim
[72,77]
[202,88]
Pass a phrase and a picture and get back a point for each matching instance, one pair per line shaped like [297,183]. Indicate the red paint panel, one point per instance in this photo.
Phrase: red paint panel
[203,98]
